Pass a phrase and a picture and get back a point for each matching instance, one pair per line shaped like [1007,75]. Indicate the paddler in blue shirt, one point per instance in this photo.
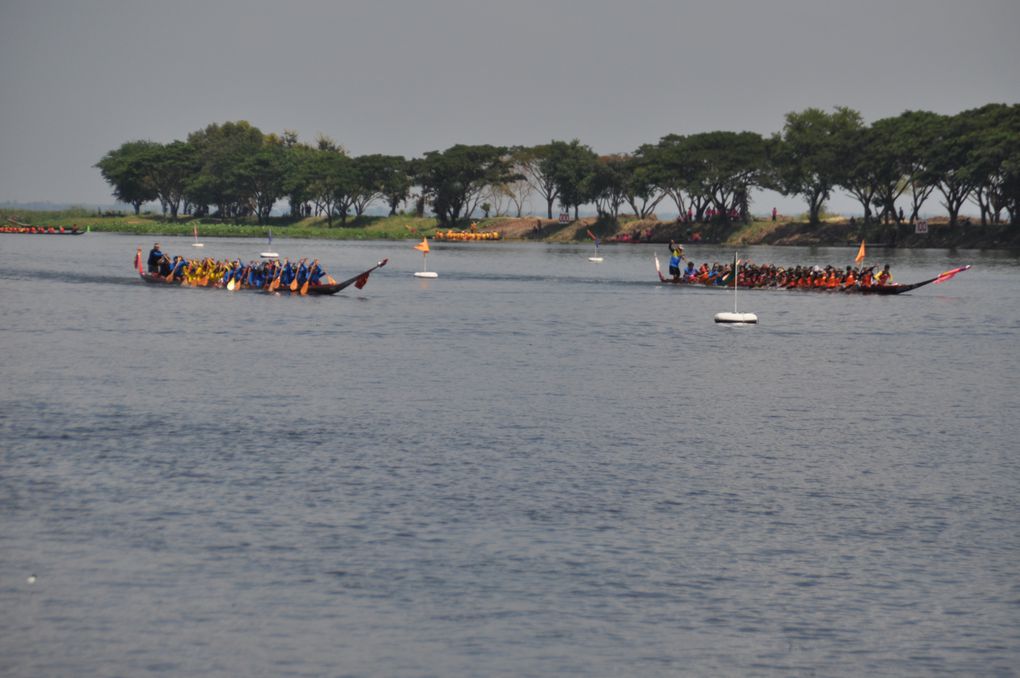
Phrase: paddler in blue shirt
[177,268]
[287,276]
[315,273]
[302,272]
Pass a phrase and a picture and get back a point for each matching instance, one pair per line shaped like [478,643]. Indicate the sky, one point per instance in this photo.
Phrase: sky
[80,77]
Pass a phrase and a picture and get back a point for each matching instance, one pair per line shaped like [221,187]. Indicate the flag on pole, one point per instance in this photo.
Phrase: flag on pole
[423,246]
[860,255]
[949,274]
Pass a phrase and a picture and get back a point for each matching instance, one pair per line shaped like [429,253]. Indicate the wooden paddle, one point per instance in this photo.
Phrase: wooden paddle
[275,282]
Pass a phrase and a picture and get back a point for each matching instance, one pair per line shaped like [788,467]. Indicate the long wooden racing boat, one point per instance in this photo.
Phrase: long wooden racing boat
[895,288]
[39,230]
[358,281]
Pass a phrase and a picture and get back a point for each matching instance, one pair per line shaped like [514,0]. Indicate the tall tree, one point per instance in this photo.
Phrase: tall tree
[641,187]
[859,173]
[570,165]
[171,167]
[221,151]
[951,161]
[606,183]
[810,149]
[535,164]
[726,165]
[452,180]
[263,177]
[128,171]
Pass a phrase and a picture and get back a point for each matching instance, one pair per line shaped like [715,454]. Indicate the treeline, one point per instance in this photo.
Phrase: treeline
[234,170]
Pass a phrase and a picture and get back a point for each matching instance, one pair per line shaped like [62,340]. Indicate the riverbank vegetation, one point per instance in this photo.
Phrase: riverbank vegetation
[235,173]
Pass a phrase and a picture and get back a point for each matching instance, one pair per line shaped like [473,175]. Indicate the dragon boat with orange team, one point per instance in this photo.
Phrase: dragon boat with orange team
[14,226]
[847,285]
[271,285]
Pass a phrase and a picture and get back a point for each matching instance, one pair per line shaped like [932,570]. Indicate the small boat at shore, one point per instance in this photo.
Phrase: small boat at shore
[17,227]
[320,289]
[894,288]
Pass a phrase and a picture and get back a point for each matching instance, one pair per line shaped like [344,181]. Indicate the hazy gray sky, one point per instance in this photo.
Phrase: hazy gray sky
[78,78]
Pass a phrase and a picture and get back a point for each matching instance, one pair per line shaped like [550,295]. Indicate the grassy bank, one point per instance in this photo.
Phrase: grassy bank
[362,228]
[833,231]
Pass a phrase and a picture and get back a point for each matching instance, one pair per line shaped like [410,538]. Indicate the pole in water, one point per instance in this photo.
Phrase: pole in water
[736,318]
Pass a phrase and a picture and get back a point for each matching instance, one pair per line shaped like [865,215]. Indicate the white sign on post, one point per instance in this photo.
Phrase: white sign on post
[921,226]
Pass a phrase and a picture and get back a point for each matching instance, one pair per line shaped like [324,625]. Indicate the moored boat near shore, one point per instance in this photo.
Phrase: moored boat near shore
[40,230]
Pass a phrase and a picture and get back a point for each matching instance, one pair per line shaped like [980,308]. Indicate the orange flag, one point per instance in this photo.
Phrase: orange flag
[423,246]
[860,254]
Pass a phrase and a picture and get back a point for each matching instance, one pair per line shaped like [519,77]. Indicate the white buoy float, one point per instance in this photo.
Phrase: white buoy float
[598,257]
[423,247]
[269,254]
[735,318]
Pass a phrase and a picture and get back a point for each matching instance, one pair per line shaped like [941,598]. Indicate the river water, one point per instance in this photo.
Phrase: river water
[533,465]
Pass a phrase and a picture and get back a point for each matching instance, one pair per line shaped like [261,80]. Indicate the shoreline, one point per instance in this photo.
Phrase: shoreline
[836,232]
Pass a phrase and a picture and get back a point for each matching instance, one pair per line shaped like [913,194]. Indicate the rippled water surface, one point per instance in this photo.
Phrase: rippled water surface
[533,465]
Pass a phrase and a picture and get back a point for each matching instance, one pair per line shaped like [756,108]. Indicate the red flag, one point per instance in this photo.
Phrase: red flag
[138,262]
[949,274]
[860,255]
[591,235]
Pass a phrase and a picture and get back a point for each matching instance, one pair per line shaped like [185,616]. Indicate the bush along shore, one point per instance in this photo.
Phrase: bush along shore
[832,231]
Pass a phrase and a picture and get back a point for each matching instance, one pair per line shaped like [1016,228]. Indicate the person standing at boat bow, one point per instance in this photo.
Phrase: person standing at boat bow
[676,253]
[155,257]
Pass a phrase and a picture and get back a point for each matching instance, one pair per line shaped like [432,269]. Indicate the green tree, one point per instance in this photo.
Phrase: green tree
[452,180]
[726,165]
[222,151]
[536,165]
[641,188]
[859,174]
[808,154]
[605,184]
[995,159]
[333,184]
[128,171]
[951,161]
[171,167]
[570,165]
[380,177]
[263,177]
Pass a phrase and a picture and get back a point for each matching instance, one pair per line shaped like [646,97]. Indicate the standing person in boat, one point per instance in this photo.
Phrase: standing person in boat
[155,258]
[676,256]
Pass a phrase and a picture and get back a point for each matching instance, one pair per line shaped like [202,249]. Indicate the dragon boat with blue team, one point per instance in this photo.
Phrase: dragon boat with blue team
[232,276]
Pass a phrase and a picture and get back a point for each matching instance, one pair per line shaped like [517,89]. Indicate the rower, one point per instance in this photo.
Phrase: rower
[885,277]
[316,273]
